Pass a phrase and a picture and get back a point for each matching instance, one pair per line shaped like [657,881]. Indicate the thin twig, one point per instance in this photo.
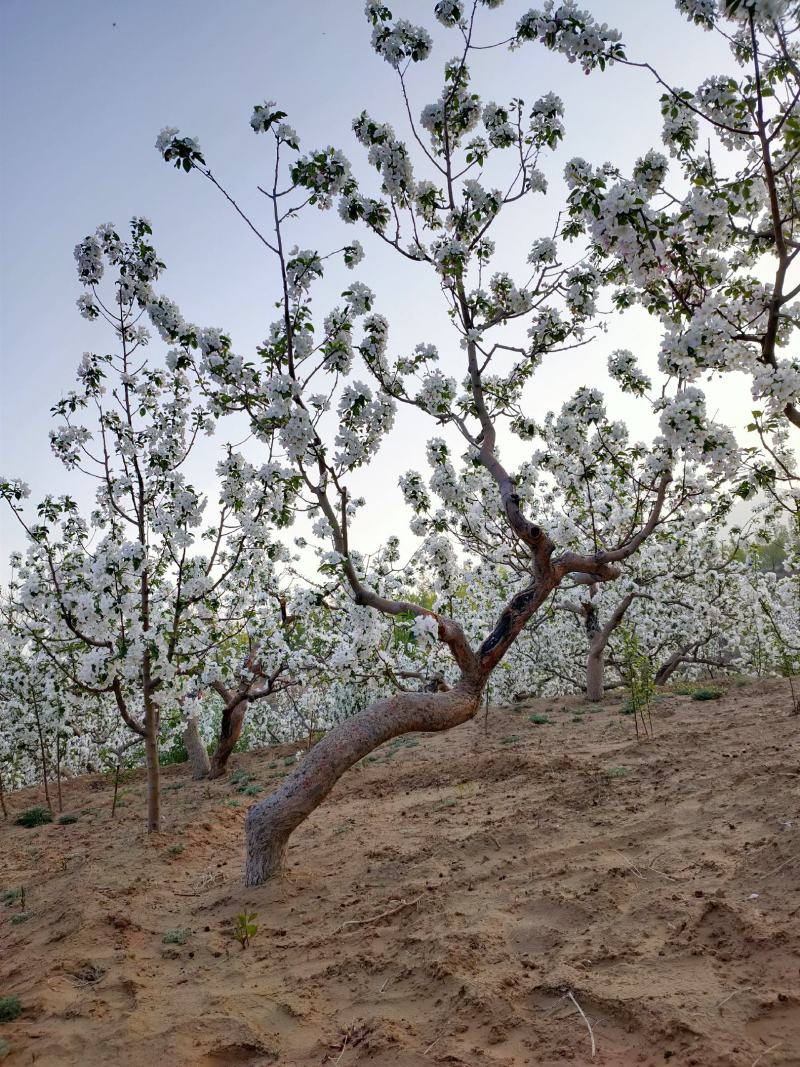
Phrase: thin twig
[344,1046]
[383,914]
[427,1050]
[571,996]
[735,993]
[780,868]
[766,1052]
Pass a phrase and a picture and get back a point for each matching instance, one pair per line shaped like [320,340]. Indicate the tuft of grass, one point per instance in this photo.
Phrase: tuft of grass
[512,739]
[10,1009]
[66,820]
[31,817]
[708,693]
[240,778]
[176,937]
[616,772]
[175,850]
[20,917]
[577,718]
[232,802]
[13,896]
[539,720]
[6,1048]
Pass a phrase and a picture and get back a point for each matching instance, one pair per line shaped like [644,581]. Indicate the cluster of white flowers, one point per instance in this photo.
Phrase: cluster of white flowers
[449,12]
[499,130]
[623,368]
[397,42]
[437,393]
[574,32]
[388,155]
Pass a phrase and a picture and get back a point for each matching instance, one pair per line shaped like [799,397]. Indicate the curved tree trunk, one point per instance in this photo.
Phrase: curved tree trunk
[271,821]
[198,757]
[229,733]
[595,673]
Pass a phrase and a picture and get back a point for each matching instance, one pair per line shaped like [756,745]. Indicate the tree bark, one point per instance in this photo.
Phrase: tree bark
[198,757]
[153,769]
[272,820]
[229,734]
[595,671]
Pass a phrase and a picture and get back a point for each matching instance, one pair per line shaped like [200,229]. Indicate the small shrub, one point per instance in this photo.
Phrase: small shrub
[707,694]
[251,790]
[10,1008]
[245,928]
[176,937]
[512,739]
[539,720]
[617,772]
[20,917]
[175,850]
[34,817]
[241,778]
[13,896]
[66,820]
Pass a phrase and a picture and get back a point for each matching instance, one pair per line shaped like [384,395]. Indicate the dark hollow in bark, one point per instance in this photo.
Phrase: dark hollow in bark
[272,820]
[198,757]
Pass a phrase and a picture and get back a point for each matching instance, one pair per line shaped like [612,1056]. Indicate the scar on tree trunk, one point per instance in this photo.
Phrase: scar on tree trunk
[272,820]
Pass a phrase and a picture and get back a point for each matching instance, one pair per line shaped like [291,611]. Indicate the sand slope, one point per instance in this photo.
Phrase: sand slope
[515,866]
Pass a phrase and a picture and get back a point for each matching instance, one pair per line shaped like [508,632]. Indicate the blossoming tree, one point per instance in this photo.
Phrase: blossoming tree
[441,222]
[135,599]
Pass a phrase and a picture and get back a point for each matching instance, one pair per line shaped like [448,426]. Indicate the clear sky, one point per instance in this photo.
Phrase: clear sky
[87,85]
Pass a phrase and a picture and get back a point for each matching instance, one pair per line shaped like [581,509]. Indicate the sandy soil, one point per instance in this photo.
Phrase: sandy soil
[441,907]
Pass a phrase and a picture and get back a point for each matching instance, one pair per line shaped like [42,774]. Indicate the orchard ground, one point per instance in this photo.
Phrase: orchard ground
[440,907]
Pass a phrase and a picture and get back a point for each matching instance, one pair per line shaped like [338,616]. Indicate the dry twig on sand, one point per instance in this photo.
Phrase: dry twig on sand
[571,996]
[383,914]
[766,1052]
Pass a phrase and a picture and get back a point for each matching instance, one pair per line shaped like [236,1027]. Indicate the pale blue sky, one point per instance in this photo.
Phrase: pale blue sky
[86,86]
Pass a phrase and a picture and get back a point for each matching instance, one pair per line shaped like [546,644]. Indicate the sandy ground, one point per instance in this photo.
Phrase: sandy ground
[441,907]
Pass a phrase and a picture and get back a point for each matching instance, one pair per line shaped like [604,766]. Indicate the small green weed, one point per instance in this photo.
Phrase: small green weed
[175,850]
[245,928]
[20,917]
[616,772]
[34,817]
[512,739]
[14,896]
[176,937]
[10,1009]
[539,720]
[709,693]
[67,820]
